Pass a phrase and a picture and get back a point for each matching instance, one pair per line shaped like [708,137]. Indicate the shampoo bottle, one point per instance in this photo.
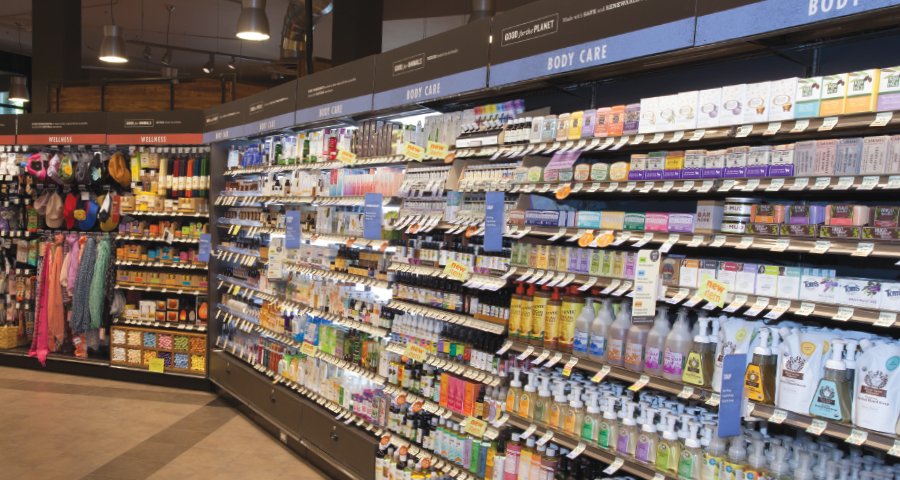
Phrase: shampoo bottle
[551,320]
[525,460]
[538,309]
[600,331]
[656,342]
[511,464]
[515,311]
[572,305]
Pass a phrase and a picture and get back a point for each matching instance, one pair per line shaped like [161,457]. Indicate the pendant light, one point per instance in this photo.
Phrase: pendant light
[253,23]
[113,47]
[210,65]
[231,65]
[18,92]
[167,57]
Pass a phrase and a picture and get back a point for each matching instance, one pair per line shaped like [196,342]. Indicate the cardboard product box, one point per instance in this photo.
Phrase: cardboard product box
[846,215]
[707,267]
[681,222]
[709,216]
[805,214]
[656,222]
[789,282]
[632,119]
[727,273]
[638,166]
[736,162]
[808,97]
[745,278]
[766,280]
[656,165]
[630,261]
[668,271]
[782,101]
[588,219]
[874,155]
[805,158]
[893,155]
[674,165]
[859,292]
[604,116]
[714,165]
[834,95]
[826,155]
[758,100]
[686,113]
[889,90]
[890,296]
[758,161]
[694,161]
[612,220]
[818,285]
[688,273]
[617,120]
[862,91]
[849,153]
[782,163]
[665,118]
[599,172]
[649,108]
[709,106]
[733,104]
[884,216]
[633,221]
[619,171]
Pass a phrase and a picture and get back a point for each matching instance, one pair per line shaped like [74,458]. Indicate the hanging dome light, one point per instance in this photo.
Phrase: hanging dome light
[113,47]
[18,92]
[210,65]
[253,23]
[167,57]
[231,64]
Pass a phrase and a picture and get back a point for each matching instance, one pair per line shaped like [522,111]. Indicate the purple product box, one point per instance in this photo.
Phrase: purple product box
[574,259]
[736,162]
[673,174]
[632,117]
[636,175]
[714,164]
[637,167]
[656,222]
[681,222]
[630,259]
[758,161]
[584,260]
[693,164]
[545,218]
[656,164]
[783,160]
[806,214]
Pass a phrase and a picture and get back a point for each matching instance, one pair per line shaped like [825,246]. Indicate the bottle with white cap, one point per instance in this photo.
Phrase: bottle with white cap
[668,451]
[831,401]
[700,362]
[647,441]
[759,379]
[628,432]
[691,459]
[608,432]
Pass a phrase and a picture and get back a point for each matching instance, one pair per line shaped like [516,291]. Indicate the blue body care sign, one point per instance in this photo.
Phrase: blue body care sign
[493,221]
[372,218]
[205,242]
[292,229]
[732,395]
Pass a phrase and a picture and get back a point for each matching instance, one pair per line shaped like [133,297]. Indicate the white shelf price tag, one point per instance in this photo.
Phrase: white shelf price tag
[529,432]
[714,400]
[614,467]
[622,238]
[677,136]
[545,438]
[843,314]
[641,383]
[637,139]
[693,301]
[868,183]
[821,183]
[599,376]
[726,185]
[657,138]
[775,185]
[895,450]
[696,241]
[743,131]
[806,308]
[799,184]
[504,348]
[882,119]
[886,319]
[857,437]
[706,186]
[800,125]
[681,295]
[718,241]
[780,307]
[543,356]
[781,244]
[822,246]
[528,351]
[673,239]
[590,283]
[844,183]
[647,187]
[612,286]
[745,243]
[687,186]
[686,392]
[738,302]
[647,238]
[828,124]
[863,250]
[698,134]
[553,360]
[778,416]
[773,128]
[629,187]
[576,451]
[751,185]
[612,187]
[817,426]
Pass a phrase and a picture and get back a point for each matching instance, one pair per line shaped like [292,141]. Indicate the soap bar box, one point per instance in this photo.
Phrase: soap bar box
[694,161]
[889,89]
[782,102]
[862,91]
[758,161]
[757,95]
[782,163]
[818,285]
[859,292]
[709,105]
[656,165]
[714,164]
[649,110]
[834,95]
[808,96]
[733,104]
[736,162]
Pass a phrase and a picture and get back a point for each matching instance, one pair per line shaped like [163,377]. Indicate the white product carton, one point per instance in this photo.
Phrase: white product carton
[782,101]
[859,292]
[687,273]
[686,114]
[649,111]
[890,296]
[766,280]
[789,282]
[893,156]
[757,95]
[709,107]
[874,156]
[745,278]
[809,92]
[805,158]
[818,285]
[734,103]
[707,267]
[665,119]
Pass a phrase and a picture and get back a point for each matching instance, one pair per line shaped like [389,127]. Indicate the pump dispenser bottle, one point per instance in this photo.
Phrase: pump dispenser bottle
[558,407]
[678,346]
[647,442]
[618,332]
[656,342]
[832,398]
[542,405]
[691,459]
[759,379]
[700,362]
[583,329]
[590,425]
[608,433]
[628,432]
[756,462]
[574,413]
[600,331]
[734,462]
[528,399]
[514,393]
[779,468]
[668,451]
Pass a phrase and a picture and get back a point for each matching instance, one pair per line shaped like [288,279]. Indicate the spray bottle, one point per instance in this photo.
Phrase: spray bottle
[600,331]
[700,362]
[583,329]
[759,380]
[656,342]
[832,398]
[608,432]
[514,392]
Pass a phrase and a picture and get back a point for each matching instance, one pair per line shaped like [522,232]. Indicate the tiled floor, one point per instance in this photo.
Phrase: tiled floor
[61,427]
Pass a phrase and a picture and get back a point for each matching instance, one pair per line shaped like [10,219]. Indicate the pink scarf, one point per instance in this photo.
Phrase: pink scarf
[41,329]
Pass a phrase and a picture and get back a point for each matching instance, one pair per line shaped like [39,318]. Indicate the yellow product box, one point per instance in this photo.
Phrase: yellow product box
[834,95]
[612,220]
[862,91]
[619,171]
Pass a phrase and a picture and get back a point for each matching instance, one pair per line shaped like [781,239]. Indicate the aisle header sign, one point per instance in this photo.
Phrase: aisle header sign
[271,109]
[224,122]
[445,64]
[8,129]
[61,128]
[550,37]
[155,128]
[372,217]
[338,92]
[720,20]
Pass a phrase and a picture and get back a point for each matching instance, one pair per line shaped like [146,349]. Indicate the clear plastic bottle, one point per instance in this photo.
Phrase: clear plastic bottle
[574,413]
[528,398]
[635,342]
[656,342]
[700,362]
[734,462]
[600,331]
[691,459]
[756,461]
[678,346]
[542,405]
[831,401]
[618,332]
[779,468]
[626,443]
[514,392]
[668,451]
[590,424]
[558,407]
[608,433]
[583,329]
[645,451]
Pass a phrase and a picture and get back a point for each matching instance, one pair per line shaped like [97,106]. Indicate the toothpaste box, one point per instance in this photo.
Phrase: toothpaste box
[649,110]
[638,166]
[809,94]
[714,164]
[889,89]
[826,153]
[674,165]
[890,296]
[757,102]
[656,165]
[686,114]
[834,95]
[782,102]
[862,91]
[766,280]
[788,282]
[665,119]
[656,222]
[588,219]
[745,278]
[818,285]
[859,292]
[733,104]
[805,158]
[694,161]
[681,222]
[758,161]
[849,152]
[736,162]
[709,104]
[874,155]
[782,164]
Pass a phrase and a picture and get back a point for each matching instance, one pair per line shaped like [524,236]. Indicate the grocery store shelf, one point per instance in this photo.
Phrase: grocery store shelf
[129,263]
[162,289]
[474,280]
[148,238]
[138,213]
[467,371]
[347,240]
[298,267]
[174,326]
[448,316]
[250,229]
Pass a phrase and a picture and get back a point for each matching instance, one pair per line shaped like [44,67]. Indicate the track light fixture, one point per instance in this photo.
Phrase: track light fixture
[209,66]
[253,23]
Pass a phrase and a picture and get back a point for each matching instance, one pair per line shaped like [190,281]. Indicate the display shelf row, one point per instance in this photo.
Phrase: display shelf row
[346,201]
[298,267]
[347,240]
[195,266]
[448,316]
[140,213]
[149,238]
[359,162]
[160,325]
[467,371]
[755,304]
[772,243]
[472,280]
[162,289]
[234,257]
[234,229]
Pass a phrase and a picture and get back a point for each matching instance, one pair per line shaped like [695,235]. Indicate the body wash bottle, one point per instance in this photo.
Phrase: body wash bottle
[734,462]
[831,401]
[525,315]
[600,332]
[618,331]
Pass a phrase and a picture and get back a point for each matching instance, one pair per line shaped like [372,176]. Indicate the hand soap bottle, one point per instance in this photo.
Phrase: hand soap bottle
[608,433]
[734,462]
[600,332]
[645,451]
[559,406]
[583,329]
[515,311]
[700,362]
[628,433]
[831,401]
[656,342]
[713,458]
[514,393]
[542,405]
[759,380]
[574,413]
[635,342]
[678,346]
[618,331]
[668,451]
[756,462]
[691,458]
[528,398]
[590,424]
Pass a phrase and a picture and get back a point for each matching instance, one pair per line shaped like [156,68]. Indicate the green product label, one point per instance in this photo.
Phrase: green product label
[693,371]
[566,175]
[596,257]
[603,436]
[534,174]
[599,172]
[686,466]
[662,456]
[634,221]
[587,429]
[826,402]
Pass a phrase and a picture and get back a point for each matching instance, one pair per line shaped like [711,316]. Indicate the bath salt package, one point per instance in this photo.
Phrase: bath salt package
[735,337]
[709,102]
[733,104]
[876,399]
[800,366]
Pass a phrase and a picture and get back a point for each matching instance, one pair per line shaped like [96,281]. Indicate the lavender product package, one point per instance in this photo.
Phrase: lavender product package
[849,152]
[805,158]
[806,214]
[714,164]
[736,162]
[782,161]
[656,222]
[681,222]
[758,161]
[709,102]
[632,118]
[818,285]
[693,164]
[638,166]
